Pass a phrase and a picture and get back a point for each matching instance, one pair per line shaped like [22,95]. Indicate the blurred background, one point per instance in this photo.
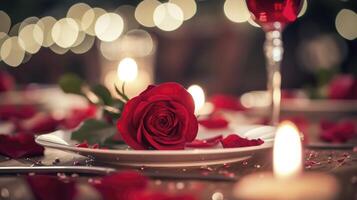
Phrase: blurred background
[212,43]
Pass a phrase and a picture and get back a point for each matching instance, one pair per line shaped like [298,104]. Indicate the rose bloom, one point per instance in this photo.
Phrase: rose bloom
[162,117]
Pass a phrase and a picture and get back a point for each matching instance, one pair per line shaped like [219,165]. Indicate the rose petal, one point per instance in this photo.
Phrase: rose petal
[173,90]
[40,123]
[51,187]
[122,185]
[233,141]
[125,124]
[341,87]
[215,122]
[7,82]
[337,132]
[17,111]
[189,121]
[153,195]
[85,144]
[205,143]
[78,115]
[221,101]
[20,145]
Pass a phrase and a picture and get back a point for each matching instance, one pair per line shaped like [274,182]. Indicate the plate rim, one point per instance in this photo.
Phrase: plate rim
[265,145]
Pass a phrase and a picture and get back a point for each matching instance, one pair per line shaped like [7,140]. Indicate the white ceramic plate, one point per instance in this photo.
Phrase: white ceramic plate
[169,158]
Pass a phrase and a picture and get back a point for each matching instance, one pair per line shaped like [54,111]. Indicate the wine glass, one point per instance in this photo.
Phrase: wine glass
[273,16]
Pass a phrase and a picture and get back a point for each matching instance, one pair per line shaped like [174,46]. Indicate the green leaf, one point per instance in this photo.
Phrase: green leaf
[94,131]
[103,93]
[114,144]
[71,83]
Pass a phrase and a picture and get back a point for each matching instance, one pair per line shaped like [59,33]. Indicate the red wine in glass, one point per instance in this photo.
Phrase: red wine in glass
[267,12]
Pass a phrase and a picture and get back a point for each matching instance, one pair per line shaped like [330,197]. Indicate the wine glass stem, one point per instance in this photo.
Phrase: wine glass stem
[273,49]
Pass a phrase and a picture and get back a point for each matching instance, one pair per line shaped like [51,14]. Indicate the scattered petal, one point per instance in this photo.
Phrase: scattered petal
[205,143]
[227,102]
[20,145]
[337,132]
[122,185]
[233,141]
[214,122]
[49,187]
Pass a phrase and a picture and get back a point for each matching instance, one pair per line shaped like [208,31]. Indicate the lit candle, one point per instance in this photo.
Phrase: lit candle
[287,181]
[198,95]
[127,70]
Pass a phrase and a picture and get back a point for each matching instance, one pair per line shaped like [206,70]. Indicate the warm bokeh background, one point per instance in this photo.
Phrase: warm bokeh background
[216,47]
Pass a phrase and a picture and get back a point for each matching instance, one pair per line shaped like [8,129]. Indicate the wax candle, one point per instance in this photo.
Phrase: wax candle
[287,181]
[198,95]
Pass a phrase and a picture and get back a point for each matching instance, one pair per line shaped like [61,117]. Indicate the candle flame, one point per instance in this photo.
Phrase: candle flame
[287,153]
[127,70]
[198,96]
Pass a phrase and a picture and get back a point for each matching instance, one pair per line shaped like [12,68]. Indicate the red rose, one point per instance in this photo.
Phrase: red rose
[162,117]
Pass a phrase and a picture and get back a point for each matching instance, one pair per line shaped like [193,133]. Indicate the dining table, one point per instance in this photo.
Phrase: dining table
[215,182]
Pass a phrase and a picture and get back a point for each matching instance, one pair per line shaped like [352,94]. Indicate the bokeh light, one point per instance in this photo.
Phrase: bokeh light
[89,20]
[135,43]
[346,24]
[188,7]
[11,52]
[65,32]
[109,27]
[236,10]
[5,22]
[144,12]
[80,38]
[168,16]
[31,37]
[110,50]
[47,23]
[85,46]
[27,57]
[58,50]
[77,12]
[127,70]
[3,38]
[14,31]
[323,52]
[27,21]
[127,13]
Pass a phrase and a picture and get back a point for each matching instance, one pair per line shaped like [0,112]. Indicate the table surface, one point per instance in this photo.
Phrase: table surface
[208,183]
[340,163]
